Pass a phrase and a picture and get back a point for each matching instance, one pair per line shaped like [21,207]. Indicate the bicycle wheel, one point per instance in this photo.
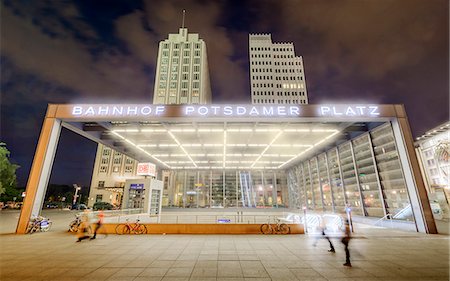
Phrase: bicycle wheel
[266,229]
[73,227]
[141,229]
[126,229]
[284,229]
[120,229]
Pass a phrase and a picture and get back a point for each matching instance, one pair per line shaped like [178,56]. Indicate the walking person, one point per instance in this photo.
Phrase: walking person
[322,229]
[99,223]
[84,227]
[345,240]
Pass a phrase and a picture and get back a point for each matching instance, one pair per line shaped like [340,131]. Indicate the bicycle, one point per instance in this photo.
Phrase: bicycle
[134,228]
[73,226]
[277,228]
[38,224]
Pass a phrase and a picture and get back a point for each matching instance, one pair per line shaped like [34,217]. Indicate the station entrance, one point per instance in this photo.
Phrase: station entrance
[315,157]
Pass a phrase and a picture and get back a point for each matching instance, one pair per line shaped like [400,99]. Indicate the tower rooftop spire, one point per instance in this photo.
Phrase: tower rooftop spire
[184,14]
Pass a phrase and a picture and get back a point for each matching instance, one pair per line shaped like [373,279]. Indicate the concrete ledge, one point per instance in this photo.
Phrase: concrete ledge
[225,228]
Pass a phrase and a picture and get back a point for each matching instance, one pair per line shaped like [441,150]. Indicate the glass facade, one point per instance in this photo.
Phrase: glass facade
[364,173]
[226,189]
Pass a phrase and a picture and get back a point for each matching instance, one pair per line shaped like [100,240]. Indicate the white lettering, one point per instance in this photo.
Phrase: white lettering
[202,110]
[117,110]
[132,110]
[90,111]
[215,108]
[361,109]
[159,110]
[374,110]
[350,112]
[324,110]
[146,110]
[267,111]
[335,112]
[240,110]
[189,110]
[77,110]
[228,110]
[281,110]
[253,111]
[102,110]
[294,110]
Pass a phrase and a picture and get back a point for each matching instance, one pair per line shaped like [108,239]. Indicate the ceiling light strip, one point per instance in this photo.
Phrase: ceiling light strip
[316,144]
[140,148]
[267,147]
[182,148]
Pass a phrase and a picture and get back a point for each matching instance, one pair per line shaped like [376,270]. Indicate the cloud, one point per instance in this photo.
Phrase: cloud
[68,61]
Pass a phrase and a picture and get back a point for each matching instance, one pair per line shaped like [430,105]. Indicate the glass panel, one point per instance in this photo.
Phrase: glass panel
[282,191]
[269,189]
[230,189]
[324,183]
[315,184]
[293,186]
[336,182]
[308,185]
[301,186]
[179,189]
[367,177]
[191,192]
[258,188]
[390,173]
[203,189]
[349,177]
[217,190]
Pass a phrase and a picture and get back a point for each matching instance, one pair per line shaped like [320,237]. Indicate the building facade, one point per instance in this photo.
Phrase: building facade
[433,151]
[277,75]
[182,75]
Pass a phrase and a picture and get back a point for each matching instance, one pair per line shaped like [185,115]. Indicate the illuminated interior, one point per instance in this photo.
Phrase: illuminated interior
[222,145]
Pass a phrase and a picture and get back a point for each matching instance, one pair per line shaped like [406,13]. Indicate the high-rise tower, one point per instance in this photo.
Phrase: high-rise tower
[276,73]
[182,75]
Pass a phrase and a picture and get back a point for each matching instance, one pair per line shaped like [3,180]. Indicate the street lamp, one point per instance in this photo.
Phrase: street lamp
[77,188]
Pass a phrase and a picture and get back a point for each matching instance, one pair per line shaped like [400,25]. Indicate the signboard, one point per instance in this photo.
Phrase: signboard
[146,169]
[137,186]
[218,110]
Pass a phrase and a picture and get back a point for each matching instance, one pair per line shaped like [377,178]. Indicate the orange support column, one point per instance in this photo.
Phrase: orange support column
[40,169]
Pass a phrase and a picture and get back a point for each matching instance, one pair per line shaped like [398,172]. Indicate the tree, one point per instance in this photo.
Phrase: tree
[8,181]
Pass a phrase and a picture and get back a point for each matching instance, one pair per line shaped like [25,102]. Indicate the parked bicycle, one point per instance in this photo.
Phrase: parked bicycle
[133,228]
[75,224]
[277,228]
[38,224]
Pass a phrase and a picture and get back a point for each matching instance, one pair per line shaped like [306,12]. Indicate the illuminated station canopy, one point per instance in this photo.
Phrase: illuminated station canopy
[220,136]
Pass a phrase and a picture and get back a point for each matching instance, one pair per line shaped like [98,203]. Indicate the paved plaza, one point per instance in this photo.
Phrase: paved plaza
[376,253]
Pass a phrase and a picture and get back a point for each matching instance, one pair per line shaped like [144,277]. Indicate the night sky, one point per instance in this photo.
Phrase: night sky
[383,51]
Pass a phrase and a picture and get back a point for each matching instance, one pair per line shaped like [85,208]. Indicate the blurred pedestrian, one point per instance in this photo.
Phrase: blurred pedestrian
[345,240]
[322,227]
[99,223]
[83,229]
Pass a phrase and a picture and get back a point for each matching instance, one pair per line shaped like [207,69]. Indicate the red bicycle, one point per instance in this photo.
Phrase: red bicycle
[131,228]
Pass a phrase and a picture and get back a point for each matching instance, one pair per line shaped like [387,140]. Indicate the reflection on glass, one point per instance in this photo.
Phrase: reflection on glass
[336,182]
[390,173]
[367,177]
[315,184]
[348,172]
[325,183]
